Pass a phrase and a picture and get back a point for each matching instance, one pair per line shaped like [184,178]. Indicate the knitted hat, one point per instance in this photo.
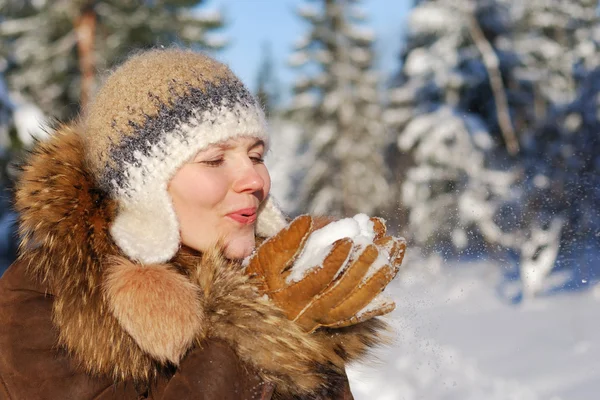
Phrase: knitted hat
[153,114]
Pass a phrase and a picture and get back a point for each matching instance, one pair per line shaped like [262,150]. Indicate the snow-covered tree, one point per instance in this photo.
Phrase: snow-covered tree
[336,102]
[559,59]
[562,178]
[496,102]
[53,48]
[451,191]
[448,118]
[557,42]
[557,80]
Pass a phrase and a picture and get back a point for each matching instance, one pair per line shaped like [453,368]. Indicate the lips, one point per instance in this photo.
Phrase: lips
[244,216]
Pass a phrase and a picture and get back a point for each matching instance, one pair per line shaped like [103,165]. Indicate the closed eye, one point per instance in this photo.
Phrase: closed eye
[213,163]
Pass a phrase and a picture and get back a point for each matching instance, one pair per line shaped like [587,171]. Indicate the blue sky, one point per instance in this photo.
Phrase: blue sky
[252,22]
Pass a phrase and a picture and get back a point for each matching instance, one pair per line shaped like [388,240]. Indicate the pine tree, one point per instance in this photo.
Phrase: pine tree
[494,101]
[559,51]
[336,102]
[268,89]
[446,115]
[53,48]
[557,43]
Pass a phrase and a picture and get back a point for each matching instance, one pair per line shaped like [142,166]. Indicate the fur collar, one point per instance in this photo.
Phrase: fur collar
[130,321]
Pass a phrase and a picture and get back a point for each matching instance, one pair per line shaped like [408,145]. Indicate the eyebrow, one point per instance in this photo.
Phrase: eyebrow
[227,145]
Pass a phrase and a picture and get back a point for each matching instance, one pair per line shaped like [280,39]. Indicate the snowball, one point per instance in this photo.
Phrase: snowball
[359,228]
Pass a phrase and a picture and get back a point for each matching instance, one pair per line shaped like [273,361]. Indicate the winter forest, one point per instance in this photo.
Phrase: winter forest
[482,149]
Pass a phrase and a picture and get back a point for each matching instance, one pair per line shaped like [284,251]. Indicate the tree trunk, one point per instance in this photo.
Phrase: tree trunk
[85,30]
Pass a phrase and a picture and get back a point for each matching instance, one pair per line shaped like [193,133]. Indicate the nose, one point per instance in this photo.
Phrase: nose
[248,180]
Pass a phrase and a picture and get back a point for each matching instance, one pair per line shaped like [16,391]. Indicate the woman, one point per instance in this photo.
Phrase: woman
[135,221]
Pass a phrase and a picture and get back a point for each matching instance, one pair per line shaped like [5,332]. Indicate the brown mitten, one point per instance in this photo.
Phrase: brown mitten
[322,284]
[394,246]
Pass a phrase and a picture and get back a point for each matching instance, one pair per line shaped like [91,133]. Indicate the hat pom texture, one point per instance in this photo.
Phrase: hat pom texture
[153,114]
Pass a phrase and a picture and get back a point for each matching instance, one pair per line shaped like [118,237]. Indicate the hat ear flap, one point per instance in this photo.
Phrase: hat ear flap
[270,218]
[147,231]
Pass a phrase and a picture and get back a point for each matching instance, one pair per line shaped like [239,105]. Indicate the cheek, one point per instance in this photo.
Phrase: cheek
[264,174]
[197,195]
[193,188]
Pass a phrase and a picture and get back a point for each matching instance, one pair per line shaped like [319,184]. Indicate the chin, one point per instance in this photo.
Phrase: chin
[239,248]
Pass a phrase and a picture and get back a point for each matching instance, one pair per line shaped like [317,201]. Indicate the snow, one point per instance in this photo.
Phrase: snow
[216,40]
[419,63]
[38,4]
[298,58]
[538,255]
[449,146]
[318,245]
[207,16]
[305,100]
[360,33]
[30,123]
[360,55]
[457,338]
[381,261]
[430,18]
[307,11]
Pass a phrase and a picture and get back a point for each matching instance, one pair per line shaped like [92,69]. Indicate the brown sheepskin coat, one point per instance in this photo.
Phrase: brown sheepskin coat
[65,322]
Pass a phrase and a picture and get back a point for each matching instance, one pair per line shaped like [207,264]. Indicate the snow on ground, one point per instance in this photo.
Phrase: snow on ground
[456,339]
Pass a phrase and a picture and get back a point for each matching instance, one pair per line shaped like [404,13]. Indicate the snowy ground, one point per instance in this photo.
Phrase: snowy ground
[458,340]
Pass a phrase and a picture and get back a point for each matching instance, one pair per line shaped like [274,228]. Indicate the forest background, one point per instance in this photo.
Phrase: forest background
[479,139]
[482,140]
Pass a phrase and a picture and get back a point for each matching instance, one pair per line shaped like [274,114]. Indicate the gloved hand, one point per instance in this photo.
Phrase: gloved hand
[319,283]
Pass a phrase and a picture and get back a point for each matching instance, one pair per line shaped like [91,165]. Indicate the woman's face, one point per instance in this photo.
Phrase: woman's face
[216,196]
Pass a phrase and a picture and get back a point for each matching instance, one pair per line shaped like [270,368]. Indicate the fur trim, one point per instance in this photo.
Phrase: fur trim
[64,224]
[296,362]
[107,309]
[156,305]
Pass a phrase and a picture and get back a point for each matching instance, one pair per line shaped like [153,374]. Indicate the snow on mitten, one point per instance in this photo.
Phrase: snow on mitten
[328,276]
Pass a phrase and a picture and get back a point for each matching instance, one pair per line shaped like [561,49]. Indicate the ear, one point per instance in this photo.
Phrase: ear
[158,307]
[270,218]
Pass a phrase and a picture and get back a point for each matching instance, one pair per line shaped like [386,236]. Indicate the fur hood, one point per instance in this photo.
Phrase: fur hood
[131,321]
